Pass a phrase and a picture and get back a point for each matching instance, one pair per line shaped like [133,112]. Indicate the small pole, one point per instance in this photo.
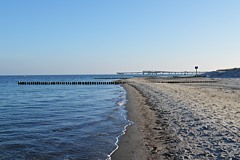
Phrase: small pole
[196,67]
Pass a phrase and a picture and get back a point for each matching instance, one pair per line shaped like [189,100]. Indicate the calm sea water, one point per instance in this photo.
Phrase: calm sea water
[45,122]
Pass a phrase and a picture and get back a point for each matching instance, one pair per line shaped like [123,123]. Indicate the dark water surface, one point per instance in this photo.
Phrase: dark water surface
[59,121]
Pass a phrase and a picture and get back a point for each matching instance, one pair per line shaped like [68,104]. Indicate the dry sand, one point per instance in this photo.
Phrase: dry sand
[182,120]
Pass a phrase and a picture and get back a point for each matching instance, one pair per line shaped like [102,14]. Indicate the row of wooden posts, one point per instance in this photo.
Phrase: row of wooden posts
[71,83]
[196,81]
[106,83]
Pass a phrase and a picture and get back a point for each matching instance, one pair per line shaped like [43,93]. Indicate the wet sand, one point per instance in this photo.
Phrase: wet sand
[182,120]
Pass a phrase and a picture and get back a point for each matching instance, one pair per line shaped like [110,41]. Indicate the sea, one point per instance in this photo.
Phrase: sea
[60,122]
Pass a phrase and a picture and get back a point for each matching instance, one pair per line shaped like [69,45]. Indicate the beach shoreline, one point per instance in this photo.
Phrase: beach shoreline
[181,121]
[131,144]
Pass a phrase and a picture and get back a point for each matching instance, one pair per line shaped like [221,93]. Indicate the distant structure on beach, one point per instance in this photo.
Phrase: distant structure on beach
[152,73]
[196,67]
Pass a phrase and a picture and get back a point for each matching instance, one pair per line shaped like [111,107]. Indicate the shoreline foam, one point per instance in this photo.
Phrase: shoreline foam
[121,102]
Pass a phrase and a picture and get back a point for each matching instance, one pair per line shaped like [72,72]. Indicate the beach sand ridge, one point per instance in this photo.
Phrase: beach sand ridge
[192,121]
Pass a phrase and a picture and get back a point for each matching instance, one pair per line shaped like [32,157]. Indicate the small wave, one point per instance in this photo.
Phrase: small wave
[103,134]
[122,98]
[121,102]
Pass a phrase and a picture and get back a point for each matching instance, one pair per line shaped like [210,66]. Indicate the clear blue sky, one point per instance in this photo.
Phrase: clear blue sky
[106,36]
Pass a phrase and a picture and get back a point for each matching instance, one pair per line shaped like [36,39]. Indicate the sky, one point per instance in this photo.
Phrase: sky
[109,36]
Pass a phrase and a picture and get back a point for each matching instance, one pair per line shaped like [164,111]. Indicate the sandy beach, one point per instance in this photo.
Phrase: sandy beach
[181,120]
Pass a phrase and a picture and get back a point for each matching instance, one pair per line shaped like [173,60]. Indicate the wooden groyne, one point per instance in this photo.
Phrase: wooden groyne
[187,81]
[113,82]
[112,78]
[72,83]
